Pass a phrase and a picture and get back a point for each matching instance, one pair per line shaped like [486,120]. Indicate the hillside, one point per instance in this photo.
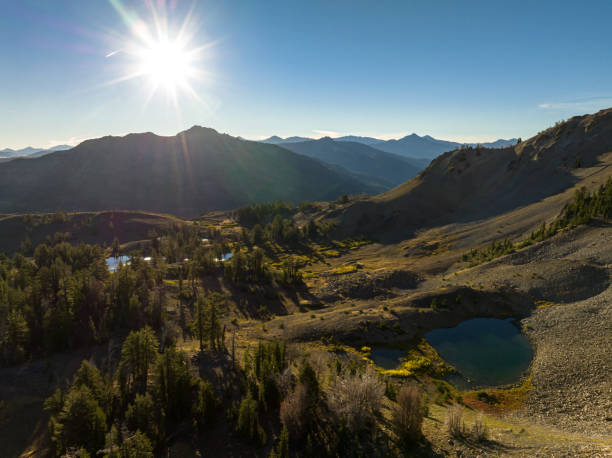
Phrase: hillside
[86,227]
[369,162]
[473,183]
[188,174]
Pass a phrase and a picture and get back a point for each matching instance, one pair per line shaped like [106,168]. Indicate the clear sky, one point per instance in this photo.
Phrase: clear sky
[459,70]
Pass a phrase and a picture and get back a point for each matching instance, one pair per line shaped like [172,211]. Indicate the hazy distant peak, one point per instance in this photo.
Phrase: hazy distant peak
[60,147]
[357,139]
[196,129]
[275,140]
[9,153]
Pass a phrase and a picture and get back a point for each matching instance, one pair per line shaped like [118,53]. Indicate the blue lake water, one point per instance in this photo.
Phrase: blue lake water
[112,263]
[225,257]
[485,351]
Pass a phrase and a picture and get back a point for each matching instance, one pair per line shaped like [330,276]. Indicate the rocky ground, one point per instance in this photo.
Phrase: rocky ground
[572,368]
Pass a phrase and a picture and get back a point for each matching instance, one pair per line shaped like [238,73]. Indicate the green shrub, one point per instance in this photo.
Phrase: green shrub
[308,377]
[483,396]
[81,422]
[283,446]
[248,420]
[205,407]
[141,415]
[137,446]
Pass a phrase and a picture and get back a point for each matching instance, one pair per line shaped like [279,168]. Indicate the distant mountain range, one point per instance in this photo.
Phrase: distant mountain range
[200,170]
[367,163]
[414,146]
[32,152]
[196,171]
[275,140]
[364,140]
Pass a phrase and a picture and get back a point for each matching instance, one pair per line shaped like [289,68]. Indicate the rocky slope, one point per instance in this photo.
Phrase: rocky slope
[474,183]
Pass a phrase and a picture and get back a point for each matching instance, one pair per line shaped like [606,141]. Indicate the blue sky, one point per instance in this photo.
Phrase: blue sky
[460,70]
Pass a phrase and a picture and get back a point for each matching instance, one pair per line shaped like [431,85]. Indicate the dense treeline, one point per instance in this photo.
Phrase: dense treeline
[130,411]
[322,412]
[248,263]
[138,401]
[250,215]
[283,231]
[64,297]
[135,406]
[494,250]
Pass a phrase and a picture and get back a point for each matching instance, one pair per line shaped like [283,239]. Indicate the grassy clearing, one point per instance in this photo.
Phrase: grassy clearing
[520,436]
[499,399]
[544,304]
[342,270]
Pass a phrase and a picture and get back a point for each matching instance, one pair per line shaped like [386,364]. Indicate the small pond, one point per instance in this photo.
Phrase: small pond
[485,351]
[112,263]
[387,358]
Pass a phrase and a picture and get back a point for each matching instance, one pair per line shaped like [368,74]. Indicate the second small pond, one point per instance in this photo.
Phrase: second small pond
[485,351]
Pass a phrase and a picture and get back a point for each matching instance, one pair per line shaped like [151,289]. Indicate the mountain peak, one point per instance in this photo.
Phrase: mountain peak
[196,129]
[275,140]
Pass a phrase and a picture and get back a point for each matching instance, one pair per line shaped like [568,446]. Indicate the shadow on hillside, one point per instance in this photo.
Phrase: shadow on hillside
[486,446]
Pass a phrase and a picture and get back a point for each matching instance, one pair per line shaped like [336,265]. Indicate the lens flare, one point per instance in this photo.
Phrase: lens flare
[164,57]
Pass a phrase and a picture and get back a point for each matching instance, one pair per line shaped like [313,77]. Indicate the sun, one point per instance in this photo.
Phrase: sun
[162,55]
[167,64]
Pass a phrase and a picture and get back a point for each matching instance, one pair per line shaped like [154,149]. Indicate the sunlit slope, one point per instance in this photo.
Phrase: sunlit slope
[474,183]
[188,174]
